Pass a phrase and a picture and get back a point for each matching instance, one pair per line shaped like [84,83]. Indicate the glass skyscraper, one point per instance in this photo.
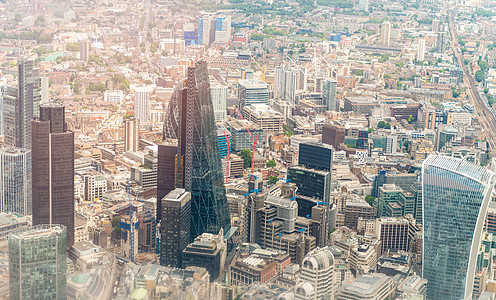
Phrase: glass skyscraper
[15,180]
[456,194]
[37,262]
[198,166]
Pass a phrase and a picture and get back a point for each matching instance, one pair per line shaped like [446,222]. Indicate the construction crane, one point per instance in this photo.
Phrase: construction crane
[228,142]
[261,68]
[254,140]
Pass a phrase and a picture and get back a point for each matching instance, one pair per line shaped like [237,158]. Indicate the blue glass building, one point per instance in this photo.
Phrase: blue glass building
[456,194]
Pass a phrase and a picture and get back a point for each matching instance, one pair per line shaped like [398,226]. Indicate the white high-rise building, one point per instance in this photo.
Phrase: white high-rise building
[363,5]
[219,101]
[317,276]
[45,84]
[15,180]
[223,29]
[421,50]
[141,104]
[391,144]
[131,129]
[292,81]
[386,33]
[279,83]
[206,30]
[329,93]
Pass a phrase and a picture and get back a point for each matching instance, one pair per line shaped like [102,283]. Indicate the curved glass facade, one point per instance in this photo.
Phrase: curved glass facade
[456,195]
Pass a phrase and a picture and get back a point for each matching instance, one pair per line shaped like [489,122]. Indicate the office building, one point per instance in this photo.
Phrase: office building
[116,96]
[131,134]
[404,180]
[363,139]
[206,30]
[84,50]
[252,269]
[240,137]
[166,162]
[224,137]
[393,233]
[15,182]
[207,251]
[21,105]
[318,270]
[436,25]
[251,91]
[420,50]
[219,101]
[279,82]
[45,89]
[333,134]
[52,158]
[391,144]
[267,119]
[386,33]
[389,194]
[456,194]
[363,258]
[354,210]
[311,182]
[198,167]
[141,104]
[329,92]
[37,262]
[315,156]
[175,226]
[223,29]
[375,286]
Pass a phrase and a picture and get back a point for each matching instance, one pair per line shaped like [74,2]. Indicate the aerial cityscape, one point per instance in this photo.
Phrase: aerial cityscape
[248,149]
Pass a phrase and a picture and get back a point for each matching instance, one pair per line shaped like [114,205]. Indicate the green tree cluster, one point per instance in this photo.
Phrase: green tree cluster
[246,156]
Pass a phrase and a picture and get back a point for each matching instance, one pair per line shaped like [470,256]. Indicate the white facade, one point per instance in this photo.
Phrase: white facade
[15,180]
[116,96]
[45,85]
[131,135]
[317,270]
[391,144]
[386,33]
[219,101]
[363,5]
[141,104]
[421,50]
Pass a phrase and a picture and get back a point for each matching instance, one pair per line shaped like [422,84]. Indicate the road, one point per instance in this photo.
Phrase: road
[485,115]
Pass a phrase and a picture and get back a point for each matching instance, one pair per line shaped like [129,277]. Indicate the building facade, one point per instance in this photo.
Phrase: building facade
[15,180]
[456,194]
[131,135]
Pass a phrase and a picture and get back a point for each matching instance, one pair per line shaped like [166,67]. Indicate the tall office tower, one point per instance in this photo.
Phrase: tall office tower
[252,91]
[291,84]
[391,144]
[219,101]
[3,91]
[131,136]
[317,274]
[223,29]
[441,42]
[314,184]
[37,262]
[45,86]
[53,169]
[329,94]
[198,166]
[421,50]
[315,155]
[165,171]
[142,104]
[363,5]
[456,194]
[15,180]
[436,25]
[175,227]
[84,50]
[21,105]
[333,134]
[206,30]
[279,83]
[386,33]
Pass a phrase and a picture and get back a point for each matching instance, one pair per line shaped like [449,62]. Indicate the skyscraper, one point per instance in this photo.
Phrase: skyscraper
[251,91]
[198,166]
[441,42]
[15,181]
[206,30]
[456,194]
[37,262]
[175,227]
[21,105]
[421,50]
[219,101]
[386,33]
[329,93]
[141,104]
[53,169]
[131,137]
[223,29]
[45,86]
[165,171]
[84,50]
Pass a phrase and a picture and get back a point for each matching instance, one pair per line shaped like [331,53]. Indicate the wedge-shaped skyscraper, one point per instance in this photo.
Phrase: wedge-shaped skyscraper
[456,194]
[198,167]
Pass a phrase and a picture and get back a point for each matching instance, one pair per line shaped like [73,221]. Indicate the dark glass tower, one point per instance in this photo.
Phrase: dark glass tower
[53,169]
[21,105]
[198,166]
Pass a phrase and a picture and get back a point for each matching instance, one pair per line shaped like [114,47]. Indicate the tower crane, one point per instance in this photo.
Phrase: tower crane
[261,68]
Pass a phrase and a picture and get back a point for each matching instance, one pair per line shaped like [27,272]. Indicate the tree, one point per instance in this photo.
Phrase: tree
[410,119]
[273,179]
[479,76]
[271,163]
[370,199]
[381,124]
[116,228]
[456,94]
[246,155]
[388,126]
